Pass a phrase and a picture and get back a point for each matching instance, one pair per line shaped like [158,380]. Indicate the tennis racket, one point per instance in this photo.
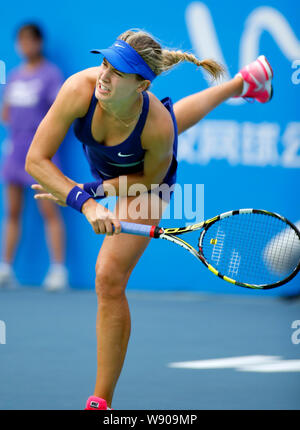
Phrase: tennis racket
[251,248]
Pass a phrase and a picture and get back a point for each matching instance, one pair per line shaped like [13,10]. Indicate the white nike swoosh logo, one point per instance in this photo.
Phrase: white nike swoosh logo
[78,194]
[124,155]
[95,194]
[103,173]
[120,46]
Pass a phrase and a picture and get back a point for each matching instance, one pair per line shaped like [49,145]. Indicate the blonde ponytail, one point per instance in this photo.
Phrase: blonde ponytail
[160,60]
[171,58]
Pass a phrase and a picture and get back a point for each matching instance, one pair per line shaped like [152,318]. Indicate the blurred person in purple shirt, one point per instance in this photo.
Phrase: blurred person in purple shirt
[30,90]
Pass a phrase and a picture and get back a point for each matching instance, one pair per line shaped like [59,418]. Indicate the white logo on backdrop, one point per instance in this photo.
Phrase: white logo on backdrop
[249,144]
[206,44]
[2,72]
[262,144]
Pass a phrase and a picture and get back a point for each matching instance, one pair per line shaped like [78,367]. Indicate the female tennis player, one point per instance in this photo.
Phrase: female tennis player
[126,132]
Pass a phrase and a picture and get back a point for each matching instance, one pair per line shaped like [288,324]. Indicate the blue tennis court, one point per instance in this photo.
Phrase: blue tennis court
[187,351]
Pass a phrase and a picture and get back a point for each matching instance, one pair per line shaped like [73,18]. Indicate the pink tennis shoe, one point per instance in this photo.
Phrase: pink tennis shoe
[96,404]
[257,78]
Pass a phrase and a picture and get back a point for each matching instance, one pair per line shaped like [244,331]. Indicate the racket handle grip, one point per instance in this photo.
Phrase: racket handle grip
[138,229]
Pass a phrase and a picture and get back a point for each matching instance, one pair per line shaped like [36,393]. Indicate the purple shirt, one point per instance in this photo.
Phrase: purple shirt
[29,95]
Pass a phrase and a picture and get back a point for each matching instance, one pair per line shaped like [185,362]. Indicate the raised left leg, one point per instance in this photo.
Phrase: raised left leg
[253,81]
[191,109]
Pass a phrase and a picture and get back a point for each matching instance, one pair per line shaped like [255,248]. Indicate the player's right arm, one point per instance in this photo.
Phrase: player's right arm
[68,106]
[71,102]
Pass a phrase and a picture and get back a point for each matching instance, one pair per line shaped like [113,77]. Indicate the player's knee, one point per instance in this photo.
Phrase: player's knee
[110,284]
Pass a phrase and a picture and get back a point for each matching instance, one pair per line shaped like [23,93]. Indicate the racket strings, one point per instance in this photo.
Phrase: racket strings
[252,248]
[282,253]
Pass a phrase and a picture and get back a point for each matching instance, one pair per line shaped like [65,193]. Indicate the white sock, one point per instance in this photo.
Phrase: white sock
[245,85]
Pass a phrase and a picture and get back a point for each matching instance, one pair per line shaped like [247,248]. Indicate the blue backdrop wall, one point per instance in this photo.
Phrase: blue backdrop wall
[246,155]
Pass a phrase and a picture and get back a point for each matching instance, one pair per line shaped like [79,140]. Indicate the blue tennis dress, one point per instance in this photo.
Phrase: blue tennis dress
[108,162]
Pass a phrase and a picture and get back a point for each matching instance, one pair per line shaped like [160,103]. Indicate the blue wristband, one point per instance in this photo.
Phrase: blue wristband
[76,198]
[95,189]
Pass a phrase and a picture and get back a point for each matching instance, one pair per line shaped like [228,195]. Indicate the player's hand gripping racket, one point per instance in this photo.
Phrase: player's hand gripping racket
[248,247]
